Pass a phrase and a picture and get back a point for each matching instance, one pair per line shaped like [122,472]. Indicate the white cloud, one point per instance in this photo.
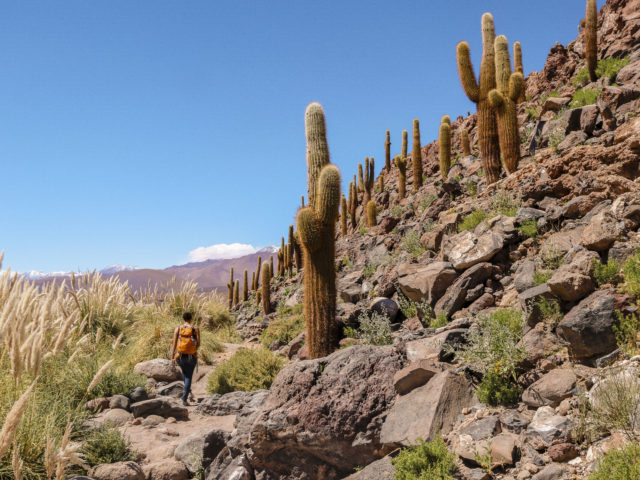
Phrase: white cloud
[221,250]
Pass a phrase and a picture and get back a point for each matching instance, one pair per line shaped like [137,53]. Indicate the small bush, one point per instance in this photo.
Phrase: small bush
[533,112]
[529,228]
[283,329]
[505,203]
[363,230]
[585,96]
[582,78]
[615,400]
[247,370]
[396,211]
[541,276]
[498,389]
[439,320]
[622,464]
[471,221]
[425,461]
[609,67]
[407,307]
[106,445]
[375,329]
[605,272]
[550,311]
[556,137]
[631,275]
[411,243]
[350,332]
[627,332]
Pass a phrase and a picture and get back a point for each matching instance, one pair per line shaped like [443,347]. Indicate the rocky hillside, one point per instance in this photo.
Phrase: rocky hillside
[512,306]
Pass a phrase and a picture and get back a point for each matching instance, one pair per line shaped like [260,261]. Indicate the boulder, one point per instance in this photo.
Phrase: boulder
[434,347]
[381,469]
[455,296]
[588,327]
[562,452]
[571,140]
[118,471]
[559,243]
[514,421]
[466,249]
[119,401]
[189,452]
[572,281]
[538,344]
[550,472]
[387,224]
[547,428]
[326,413]
[554,104]
[117,416]
[483,428]
[414,375]
[159,369]
[588,118]
[429,409]
[551,389]
[523,278]
[601,232]
[425,282]
[173,389]
[238,469]
[504,449]
[529,301]
[384,306]
[162,406]
[138,394]
[166,470]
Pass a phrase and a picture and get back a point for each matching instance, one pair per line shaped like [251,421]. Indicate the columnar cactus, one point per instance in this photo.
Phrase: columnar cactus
[230,286]
[387,152]
[302,201]
[466,144]
[444,146]
[360,178]
[417,156]
[503,99]
[297,251]
[291,249]
[343,216]
[591,38]
[479,93]
[253,280]
[405,140]
[316,227]
[518,67]
[270,268]
[401,163]
[369,176]
[257,282]
[245,286]
[354,205]
[266,289]
[381,183]
[372,211]
[236,293]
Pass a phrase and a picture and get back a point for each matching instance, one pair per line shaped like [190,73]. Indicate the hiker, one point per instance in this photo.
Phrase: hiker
[186,340]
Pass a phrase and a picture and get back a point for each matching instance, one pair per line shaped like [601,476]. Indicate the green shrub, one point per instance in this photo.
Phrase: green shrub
[363,230]
[550,311]
[374,329]
[631,275]
[505,203]
[411,243]
[605,272]
[533,112]
[609,67]
[582,78]
[619,464]
[425,461]
[471,221]
[350,332]
[283,329]
[396,211]
[492,350]
[585,96]
[627,332]
[407,307]
[106,445]
[556,137]
[247,370]
[439,320]
[529,228]
[614,401]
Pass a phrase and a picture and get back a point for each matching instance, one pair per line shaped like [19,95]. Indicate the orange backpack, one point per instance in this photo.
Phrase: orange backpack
[187,340]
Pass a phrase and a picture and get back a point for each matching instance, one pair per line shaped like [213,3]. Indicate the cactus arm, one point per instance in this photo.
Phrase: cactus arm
[466,73]
[309,229]
[516,86]
[317,147]
[328,195]
[496,99]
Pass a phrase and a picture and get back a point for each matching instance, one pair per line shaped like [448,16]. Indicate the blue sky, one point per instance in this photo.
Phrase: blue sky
[134,132]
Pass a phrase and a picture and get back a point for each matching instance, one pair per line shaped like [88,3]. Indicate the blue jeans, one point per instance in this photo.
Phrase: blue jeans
[187,365]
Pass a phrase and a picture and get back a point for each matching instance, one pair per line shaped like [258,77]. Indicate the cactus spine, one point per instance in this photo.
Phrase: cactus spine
[230,287]
[444,146]
[343,216]
[503,99]
[245,286]
[478,93]
[387,152]
[517,66]
[591,39]
[372,210]
[266,289]
[316,227]
[417,156]
[466,144]
[401,163]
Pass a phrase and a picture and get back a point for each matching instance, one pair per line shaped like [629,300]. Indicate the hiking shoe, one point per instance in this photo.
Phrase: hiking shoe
[185,403]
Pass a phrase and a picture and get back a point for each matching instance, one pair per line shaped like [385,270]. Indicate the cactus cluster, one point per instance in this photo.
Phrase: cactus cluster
[416,155]
[503,99]
[591,39]
[369,168]
[444,146]
[316,227]
[479,94]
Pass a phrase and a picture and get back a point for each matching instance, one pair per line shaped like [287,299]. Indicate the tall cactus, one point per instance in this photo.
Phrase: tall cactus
[245,286]
[257,282]
[518,67]
[387,152]
[354,205]
[230,286]
[591,38]
[270,268]
[372,211]
[236,293]
[369,169]
[360,178]
[466,144]
[297,251]
[444,146]
[253,280]
[381,183]
[401,163]
[417,156]
[291,249]
[479,93]
[503,99]
[302,201]
[343,216]
[405,141]
[266,289]
[316,226]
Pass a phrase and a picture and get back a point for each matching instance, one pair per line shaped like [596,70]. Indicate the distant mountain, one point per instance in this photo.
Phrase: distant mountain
[209,275]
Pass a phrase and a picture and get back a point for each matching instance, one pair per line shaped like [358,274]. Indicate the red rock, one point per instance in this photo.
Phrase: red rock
[562,452]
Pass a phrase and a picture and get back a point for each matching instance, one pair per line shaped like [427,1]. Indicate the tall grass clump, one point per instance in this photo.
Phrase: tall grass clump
[285,328]
[247,370]
[619,464]
[425,461]
[631,275]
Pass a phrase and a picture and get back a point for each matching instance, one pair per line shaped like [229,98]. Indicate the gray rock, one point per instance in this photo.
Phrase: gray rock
[482,428]
[118,471]
[434,347]
[523,278]
[166,470]
[159,369]
[152,420]
[384,306]
[164,407]
[572,281]
[138,395]
[588,327]
[189,451]
[601,232]
[571,140]
[425,282]
[467,249]
[119,401]
[381,469]
[117,416]
[547,428]
[426,410]
[173,389]
[239,469]
[551,388]
[414,375]
[550,472]
[514,421]
[538,344]
[455,296]
[530,303]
